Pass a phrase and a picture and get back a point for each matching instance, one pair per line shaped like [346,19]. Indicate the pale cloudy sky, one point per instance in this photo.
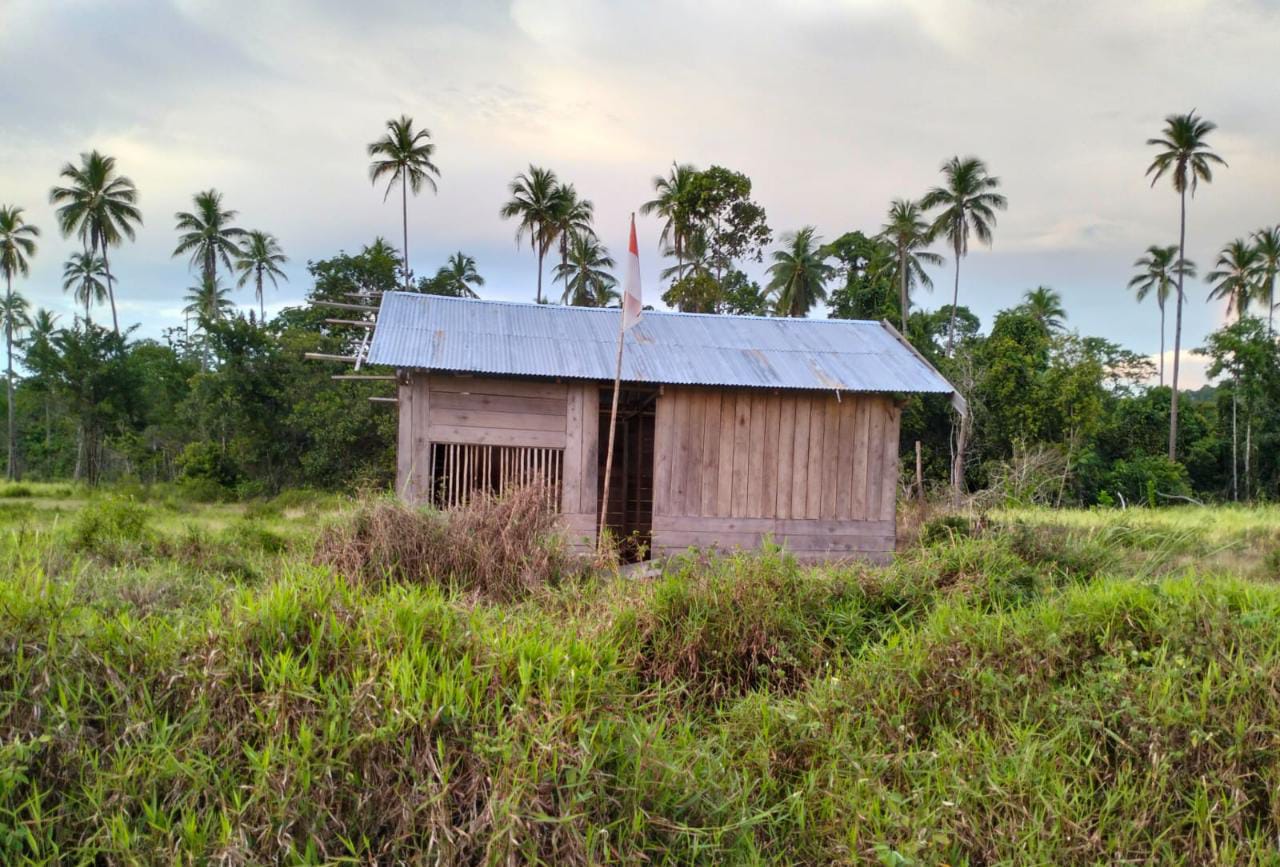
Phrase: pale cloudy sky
[832,108]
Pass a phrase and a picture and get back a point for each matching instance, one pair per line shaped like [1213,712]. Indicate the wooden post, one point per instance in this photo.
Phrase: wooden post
[919,474]
[613,429]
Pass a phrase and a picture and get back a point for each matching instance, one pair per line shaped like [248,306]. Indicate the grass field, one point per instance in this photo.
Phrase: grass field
[186,683]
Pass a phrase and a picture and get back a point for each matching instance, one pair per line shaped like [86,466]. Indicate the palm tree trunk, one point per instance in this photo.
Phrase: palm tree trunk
[955,301]
[542,251]
[1162,346]
[111,290]
[902,267]
[404,223]
[1177,331]
[11,467]
[1235,460]
[262,310]
[1248,446]
[1271,305]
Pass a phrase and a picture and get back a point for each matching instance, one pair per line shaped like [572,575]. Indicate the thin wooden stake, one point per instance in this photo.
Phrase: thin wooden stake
[613,429]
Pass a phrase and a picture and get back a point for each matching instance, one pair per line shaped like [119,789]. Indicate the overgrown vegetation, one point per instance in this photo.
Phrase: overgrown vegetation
[1034,687]
[499,548]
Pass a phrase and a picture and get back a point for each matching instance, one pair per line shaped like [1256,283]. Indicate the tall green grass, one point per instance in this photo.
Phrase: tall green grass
[1016,696]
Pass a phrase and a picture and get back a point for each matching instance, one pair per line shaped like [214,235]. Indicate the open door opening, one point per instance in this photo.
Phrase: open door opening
[630,517]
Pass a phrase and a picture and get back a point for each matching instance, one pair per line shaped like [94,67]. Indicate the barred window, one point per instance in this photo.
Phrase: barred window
[462,470]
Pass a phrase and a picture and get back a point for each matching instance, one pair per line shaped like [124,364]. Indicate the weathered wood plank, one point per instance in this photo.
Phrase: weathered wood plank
[710,472]
[680,454]
[502,420]
[862,454]
[495,436]
[875,450]
[769,463]
[741,452]
[504,402]
[817,429]
[663,433]
[849,409]
[830,458]
[590,491]
[790,526]
[786,447]
[671,539]
[571,479]
[800,458]
[724,480]
[443,382]
[892,452]
[755,462]
[693,461]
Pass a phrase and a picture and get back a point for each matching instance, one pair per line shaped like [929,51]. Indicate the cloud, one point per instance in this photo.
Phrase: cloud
[832,109]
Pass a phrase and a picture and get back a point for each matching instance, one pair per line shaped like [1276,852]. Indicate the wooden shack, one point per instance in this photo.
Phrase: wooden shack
[730,429]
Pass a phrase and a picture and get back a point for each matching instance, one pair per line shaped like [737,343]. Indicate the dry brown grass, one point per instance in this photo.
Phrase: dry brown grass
[497,547]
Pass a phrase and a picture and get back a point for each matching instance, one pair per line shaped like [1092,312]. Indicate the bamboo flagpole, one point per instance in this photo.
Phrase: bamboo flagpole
[631,310]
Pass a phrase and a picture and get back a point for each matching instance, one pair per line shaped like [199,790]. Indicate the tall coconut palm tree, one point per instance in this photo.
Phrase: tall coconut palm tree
[799,273]
[535,202]
[42,326]
[101,206]
[908,231]
[1185,156]
[1237,277]
[969,202]
[17,246]
[669,203]
[1267,242]
[260,256]
[403,156]
[693,259]
[457,277]
[85,276]
[1158,273]
[208,302]
[587,281]
[572,217]
[1045,306]
[14,319]
[208,235]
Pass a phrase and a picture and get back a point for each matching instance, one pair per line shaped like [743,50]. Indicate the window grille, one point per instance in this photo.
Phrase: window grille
[463,470]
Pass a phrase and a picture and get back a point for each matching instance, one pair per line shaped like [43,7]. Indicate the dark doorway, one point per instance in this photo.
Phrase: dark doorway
[630,515]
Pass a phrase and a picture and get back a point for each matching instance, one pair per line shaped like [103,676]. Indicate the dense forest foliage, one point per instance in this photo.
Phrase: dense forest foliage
[226,405]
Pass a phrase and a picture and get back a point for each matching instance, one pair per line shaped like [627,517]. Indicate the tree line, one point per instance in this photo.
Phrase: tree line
[225,404]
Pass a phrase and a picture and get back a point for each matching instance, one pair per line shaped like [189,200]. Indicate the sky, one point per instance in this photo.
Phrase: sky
[832,108]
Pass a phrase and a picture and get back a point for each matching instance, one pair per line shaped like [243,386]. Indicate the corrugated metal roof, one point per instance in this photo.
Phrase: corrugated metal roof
[497,337]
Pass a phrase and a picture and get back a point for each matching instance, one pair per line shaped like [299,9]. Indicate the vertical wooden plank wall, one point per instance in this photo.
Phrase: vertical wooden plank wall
[580,504]
[815,472]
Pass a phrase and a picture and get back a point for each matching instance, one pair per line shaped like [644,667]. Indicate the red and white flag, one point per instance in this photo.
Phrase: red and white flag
[631,304]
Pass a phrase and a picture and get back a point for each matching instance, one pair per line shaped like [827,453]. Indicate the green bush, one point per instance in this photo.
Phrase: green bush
[726,626]
[1141,480]
[945,528]
[15,492]
[252,535]
[206,472]
[110,520]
